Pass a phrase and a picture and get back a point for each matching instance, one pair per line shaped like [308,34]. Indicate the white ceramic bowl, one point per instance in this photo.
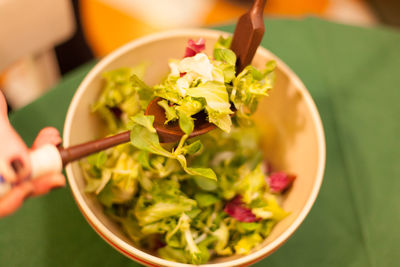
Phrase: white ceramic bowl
[293,139]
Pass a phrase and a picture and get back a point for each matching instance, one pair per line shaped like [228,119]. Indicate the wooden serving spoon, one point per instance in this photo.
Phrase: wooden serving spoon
[246,38]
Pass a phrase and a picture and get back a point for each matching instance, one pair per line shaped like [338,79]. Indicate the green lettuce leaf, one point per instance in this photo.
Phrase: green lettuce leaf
[170,112]
[195,254]
[112,194]
[173,254]
[225,55]
[215,95]
[223,42]
[198,66]
[206,199]
[186,123]
[132,228]
[222,235]
[192,148]
[144,136]
[221,120]
[252,185]
[143,120]
[247,242]
[272,209]
[163,201]
[249,86]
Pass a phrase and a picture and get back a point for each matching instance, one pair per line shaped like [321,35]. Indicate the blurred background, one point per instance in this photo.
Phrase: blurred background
[43,40]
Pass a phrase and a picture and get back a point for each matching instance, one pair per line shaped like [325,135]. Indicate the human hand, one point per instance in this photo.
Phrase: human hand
[15,164]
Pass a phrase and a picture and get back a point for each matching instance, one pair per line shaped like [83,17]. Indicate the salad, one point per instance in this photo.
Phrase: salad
[213,195]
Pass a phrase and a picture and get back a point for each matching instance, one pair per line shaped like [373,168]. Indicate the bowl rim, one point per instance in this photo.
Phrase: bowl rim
[149,259]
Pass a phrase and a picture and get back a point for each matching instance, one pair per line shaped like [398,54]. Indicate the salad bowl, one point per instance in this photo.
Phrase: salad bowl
[291,130]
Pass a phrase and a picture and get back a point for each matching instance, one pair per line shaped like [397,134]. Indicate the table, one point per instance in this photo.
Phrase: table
[353,75]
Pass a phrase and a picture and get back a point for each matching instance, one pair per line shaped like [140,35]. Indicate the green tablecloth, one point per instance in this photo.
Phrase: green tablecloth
[353,75]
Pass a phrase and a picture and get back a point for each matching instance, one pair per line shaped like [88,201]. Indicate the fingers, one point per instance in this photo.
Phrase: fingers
[7,172]
[14,161]
[47,182]
[48,135]
[14,158]
[14,199]
[15,168]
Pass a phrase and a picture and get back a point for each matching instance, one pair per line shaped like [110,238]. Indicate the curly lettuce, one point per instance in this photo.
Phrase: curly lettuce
[212,85]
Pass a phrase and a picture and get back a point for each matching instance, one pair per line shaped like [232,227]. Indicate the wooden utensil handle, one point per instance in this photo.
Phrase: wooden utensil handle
[248,34]
[258,7]
[79,151]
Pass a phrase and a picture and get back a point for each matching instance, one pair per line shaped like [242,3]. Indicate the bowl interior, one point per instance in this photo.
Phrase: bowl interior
[292,134]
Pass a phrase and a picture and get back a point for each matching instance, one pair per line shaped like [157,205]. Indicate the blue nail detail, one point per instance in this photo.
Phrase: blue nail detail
[2,179]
